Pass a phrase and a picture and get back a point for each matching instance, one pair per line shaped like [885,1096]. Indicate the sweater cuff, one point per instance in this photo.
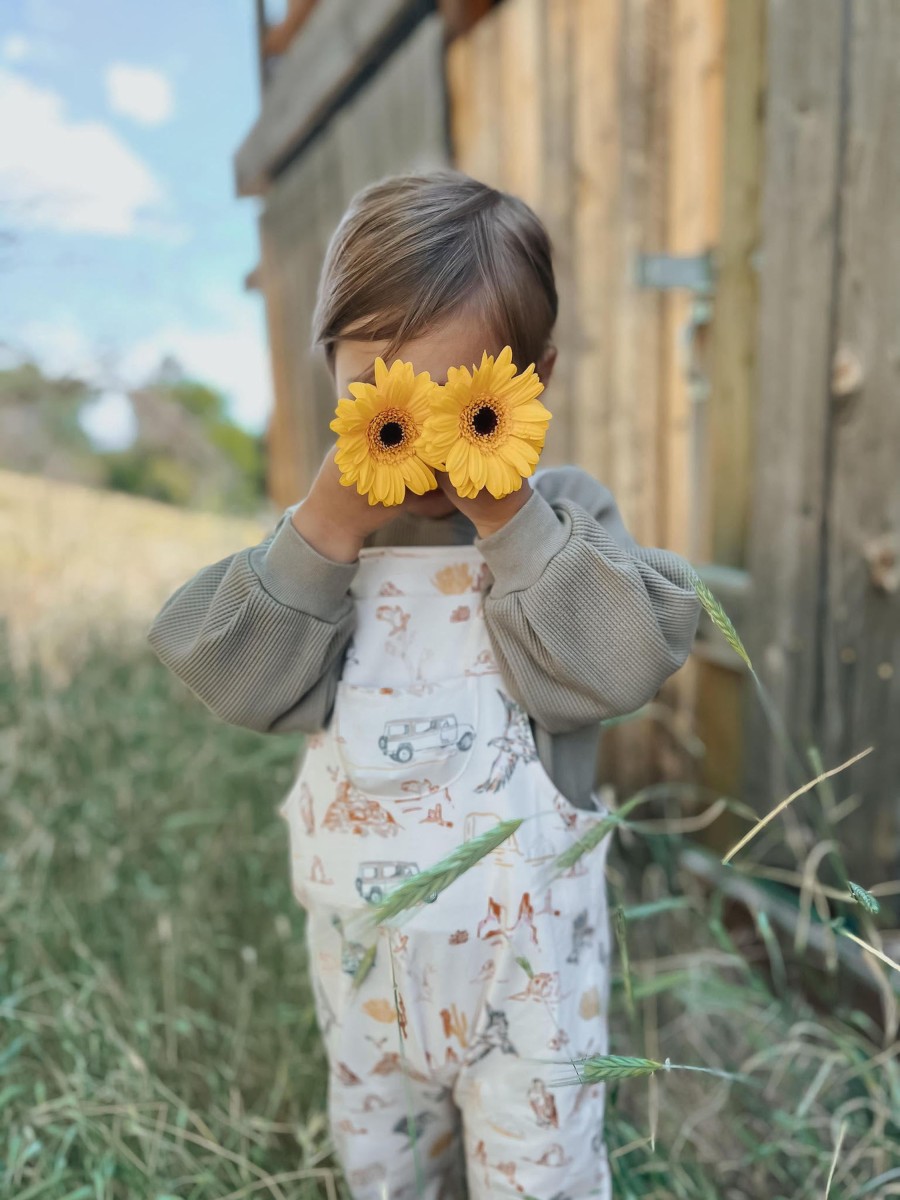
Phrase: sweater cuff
[299,577]
[518,553]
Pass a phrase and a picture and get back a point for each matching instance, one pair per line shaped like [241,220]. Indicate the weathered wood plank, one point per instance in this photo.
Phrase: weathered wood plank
[723,496]
[695,88]
[522,99]
[665,757]
[636,313]
[475,96]
[293,255]
[861,634]
[597,151]
[460,15]
[734,333]
[397,123]
[337,40]
[620,212]
[557,212]
[691,179]
[799,247]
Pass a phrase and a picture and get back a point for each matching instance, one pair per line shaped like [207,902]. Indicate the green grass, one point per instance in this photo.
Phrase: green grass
[158,1037]
[158,1033]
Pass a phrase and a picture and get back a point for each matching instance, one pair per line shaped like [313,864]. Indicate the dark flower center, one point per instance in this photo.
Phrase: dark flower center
[485,421]
[391,433]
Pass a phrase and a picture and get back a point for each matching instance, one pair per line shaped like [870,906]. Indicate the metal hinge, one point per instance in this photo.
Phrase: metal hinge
[665,272]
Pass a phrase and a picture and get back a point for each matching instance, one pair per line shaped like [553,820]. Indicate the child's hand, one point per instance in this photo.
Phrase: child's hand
[336,520]
[486,514]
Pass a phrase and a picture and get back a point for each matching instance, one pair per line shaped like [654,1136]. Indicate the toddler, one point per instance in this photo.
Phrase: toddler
[451,661]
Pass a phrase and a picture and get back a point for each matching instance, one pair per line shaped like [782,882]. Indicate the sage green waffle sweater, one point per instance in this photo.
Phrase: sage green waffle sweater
[585,623]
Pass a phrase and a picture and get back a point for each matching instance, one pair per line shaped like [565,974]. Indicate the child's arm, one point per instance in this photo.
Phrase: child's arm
[260,636]
[586,624]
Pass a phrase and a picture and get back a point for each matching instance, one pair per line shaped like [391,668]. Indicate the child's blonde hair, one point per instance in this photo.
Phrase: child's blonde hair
[413,249]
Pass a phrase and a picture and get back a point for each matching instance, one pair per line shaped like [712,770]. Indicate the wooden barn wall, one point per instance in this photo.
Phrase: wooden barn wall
[606,116]
[396,123]
[766,441]
[825,525]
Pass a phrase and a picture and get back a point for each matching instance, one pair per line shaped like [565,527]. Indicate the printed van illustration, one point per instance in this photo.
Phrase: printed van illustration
[377,877]
[405,738]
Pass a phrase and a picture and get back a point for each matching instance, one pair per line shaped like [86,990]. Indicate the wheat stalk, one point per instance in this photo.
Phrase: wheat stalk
[720,619]
[597,832]
[751,833]
[621,932]
[590,840]
[866,899]
[428,884]
[603,1068]
[868,946]
[834,1161]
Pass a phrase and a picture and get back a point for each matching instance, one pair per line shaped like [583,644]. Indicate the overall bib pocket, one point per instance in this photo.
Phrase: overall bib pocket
[390,739]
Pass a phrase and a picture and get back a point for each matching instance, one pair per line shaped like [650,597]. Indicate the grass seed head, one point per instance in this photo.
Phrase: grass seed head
[720,619]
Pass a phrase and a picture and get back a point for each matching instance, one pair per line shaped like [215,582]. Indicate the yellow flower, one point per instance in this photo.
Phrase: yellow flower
[486,429]
[378,431]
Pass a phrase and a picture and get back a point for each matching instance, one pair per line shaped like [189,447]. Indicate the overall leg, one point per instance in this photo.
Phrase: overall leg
[396,1132]
[526,1134]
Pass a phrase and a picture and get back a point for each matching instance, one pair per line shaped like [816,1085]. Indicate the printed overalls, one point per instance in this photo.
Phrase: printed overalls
[499,980]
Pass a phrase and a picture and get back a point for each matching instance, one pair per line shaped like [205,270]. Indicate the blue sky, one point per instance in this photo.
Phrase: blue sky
[123,238]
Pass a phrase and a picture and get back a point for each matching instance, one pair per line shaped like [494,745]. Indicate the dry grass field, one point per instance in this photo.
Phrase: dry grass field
[73,558]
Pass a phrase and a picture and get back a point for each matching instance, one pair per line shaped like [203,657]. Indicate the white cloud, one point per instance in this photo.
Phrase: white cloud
[140,93]
[15,47]
[74,176]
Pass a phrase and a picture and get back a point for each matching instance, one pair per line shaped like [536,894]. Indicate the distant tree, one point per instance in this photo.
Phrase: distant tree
[147,474]
[39,427]
[187,450]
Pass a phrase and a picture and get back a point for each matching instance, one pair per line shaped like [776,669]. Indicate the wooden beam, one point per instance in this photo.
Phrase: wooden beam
[260,32]
[340,40]
[460,15]
[279,37]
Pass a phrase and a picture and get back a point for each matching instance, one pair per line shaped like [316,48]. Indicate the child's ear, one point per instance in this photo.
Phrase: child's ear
[544,369]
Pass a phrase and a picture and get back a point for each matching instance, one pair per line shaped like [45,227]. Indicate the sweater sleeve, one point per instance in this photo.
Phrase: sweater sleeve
[586,624]
[259,636]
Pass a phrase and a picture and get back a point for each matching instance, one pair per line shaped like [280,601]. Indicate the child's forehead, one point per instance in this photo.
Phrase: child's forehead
[458,341]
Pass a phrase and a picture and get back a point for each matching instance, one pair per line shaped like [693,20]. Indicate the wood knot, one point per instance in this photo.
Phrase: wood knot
[884,569]
[847,374]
